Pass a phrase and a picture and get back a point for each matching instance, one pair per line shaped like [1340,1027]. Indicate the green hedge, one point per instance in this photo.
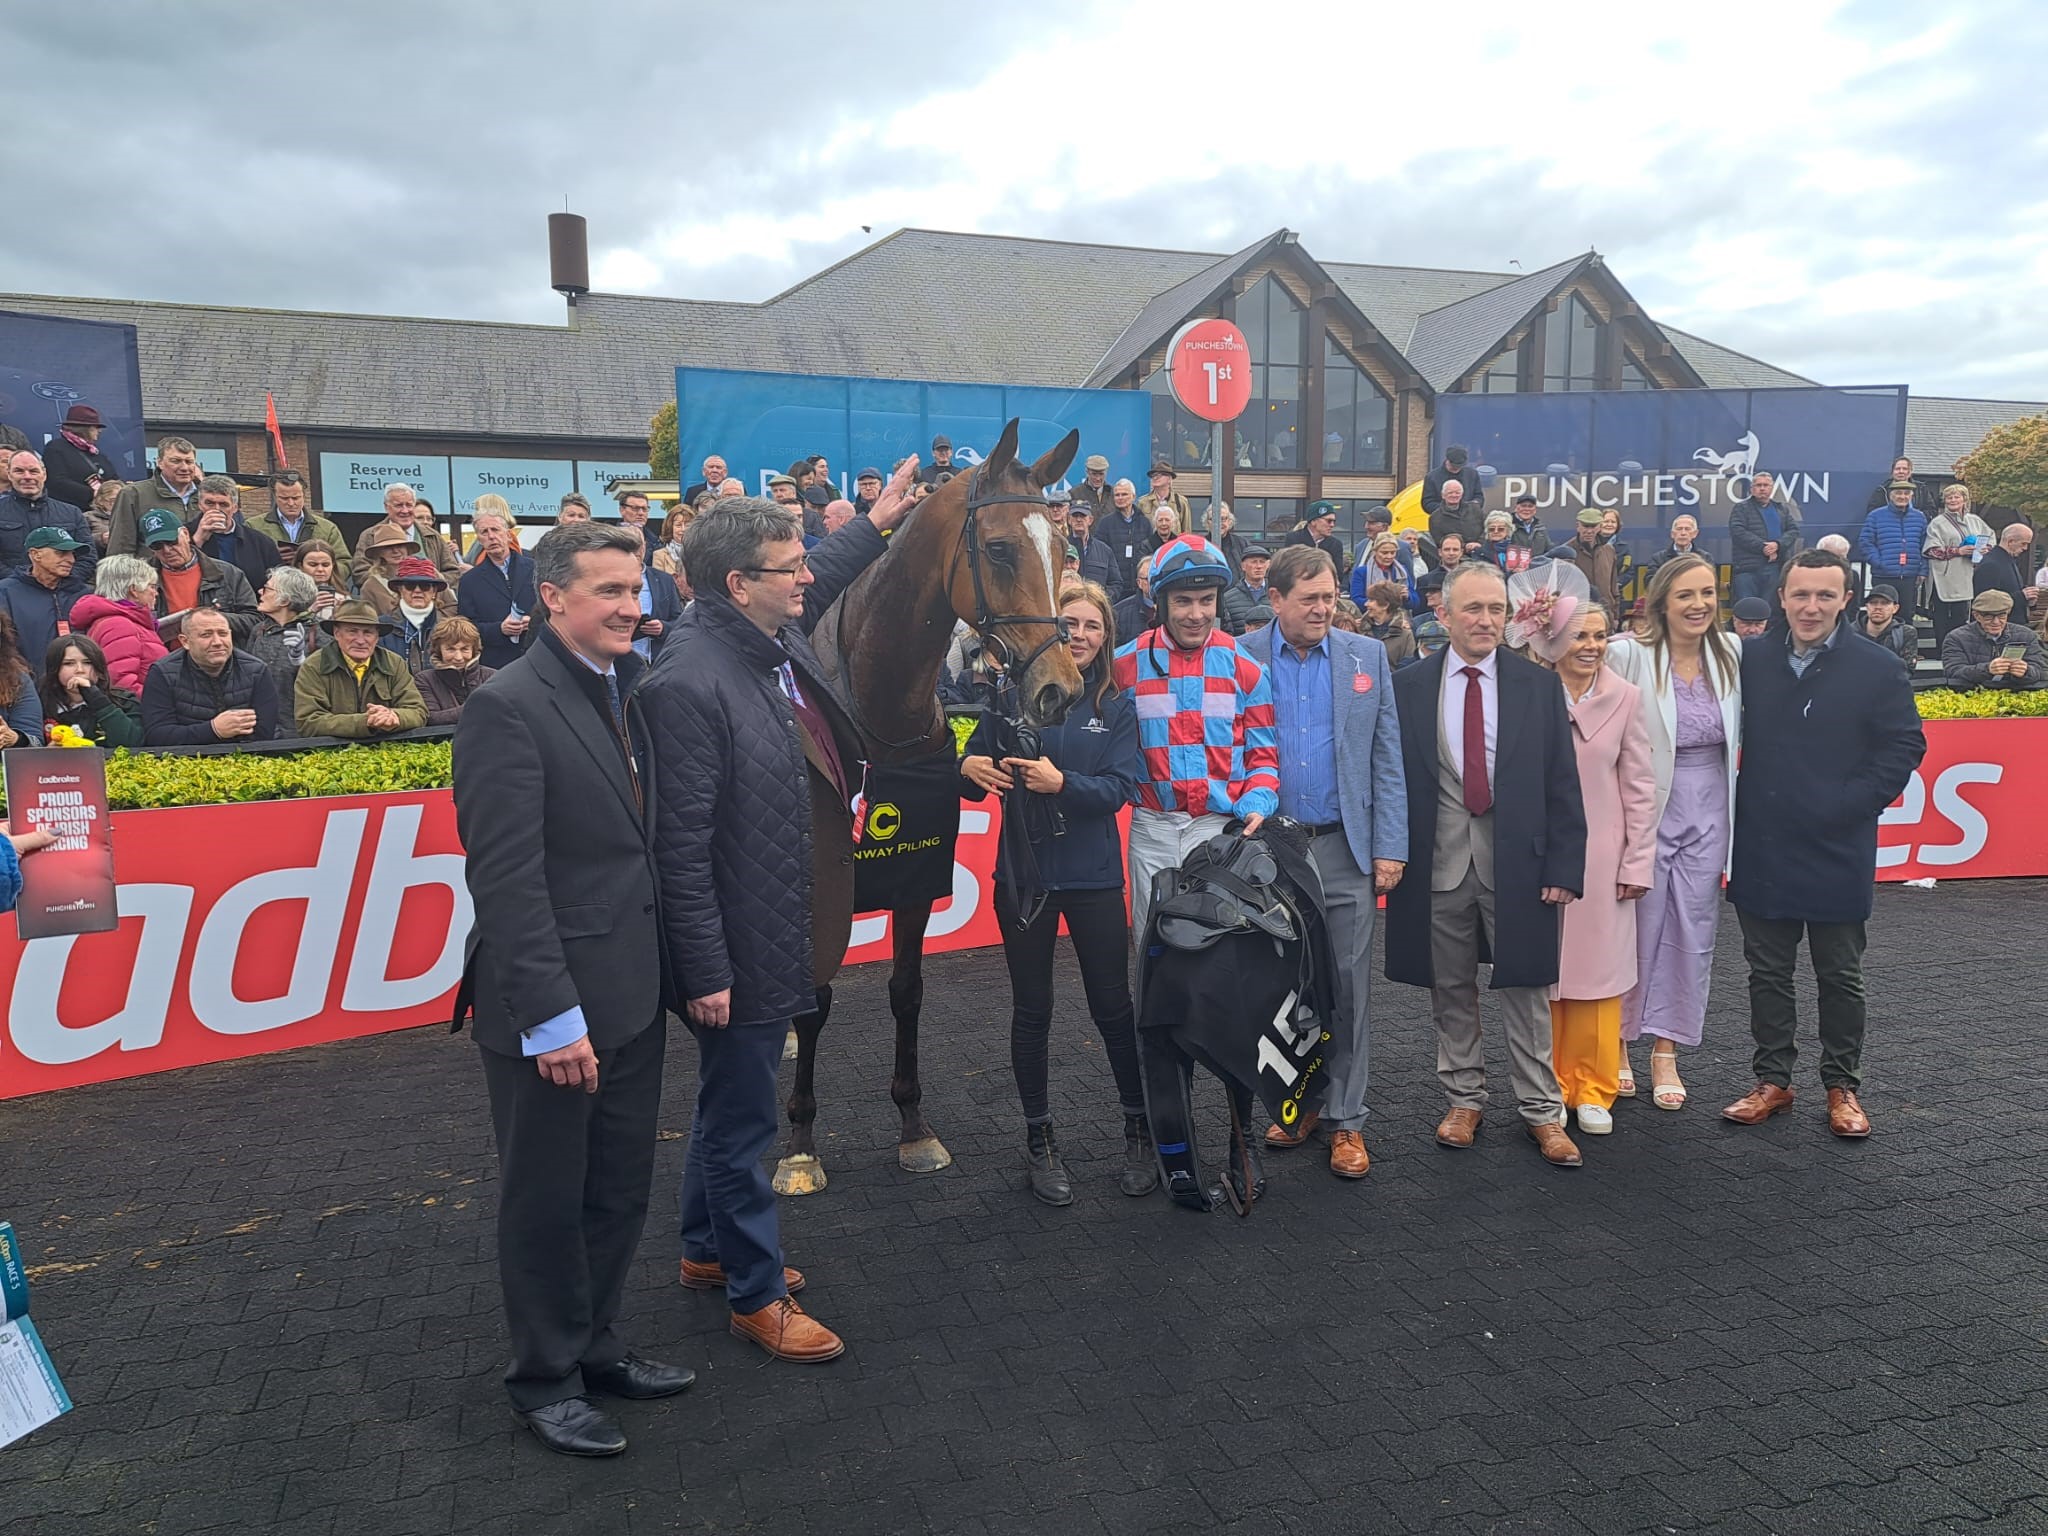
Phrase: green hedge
[144,781]
[1981,704]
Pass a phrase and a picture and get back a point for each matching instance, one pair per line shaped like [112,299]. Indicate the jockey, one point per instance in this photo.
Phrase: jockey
[1207,743]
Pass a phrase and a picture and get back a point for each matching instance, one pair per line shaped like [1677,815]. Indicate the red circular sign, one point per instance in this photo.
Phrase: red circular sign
[1210,369]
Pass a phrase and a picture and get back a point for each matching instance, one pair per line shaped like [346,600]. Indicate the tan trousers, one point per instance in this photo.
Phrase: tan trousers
[1455,924]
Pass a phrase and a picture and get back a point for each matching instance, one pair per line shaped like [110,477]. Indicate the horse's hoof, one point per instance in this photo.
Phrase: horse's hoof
[926,1156]
[801,1174]
[789,1046]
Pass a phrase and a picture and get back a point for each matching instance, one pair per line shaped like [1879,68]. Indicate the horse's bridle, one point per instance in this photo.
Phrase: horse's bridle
[987,623]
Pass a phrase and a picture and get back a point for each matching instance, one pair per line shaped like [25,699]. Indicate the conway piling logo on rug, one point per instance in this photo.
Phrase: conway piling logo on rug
[1726,481]
[883,822]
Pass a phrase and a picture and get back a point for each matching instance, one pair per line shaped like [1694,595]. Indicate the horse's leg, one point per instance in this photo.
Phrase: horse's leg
[918,1150]
[800,1172]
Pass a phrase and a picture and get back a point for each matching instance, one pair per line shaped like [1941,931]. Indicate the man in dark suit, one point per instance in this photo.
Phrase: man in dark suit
[565,977]
[497,594]
[1497,841]
[1830,737]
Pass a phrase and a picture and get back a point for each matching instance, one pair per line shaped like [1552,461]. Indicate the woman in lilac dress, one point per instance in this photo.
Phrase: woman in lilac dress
[1690,677]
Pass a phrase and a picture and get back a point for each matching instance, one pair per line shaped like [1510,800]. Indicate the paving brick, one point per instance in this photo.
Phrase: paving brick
[1709,1328]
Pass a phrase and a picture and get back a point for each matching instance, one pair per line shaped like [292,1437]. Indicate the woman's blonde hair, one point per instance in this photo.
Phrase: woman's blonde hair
[1653,630]
[1095,682]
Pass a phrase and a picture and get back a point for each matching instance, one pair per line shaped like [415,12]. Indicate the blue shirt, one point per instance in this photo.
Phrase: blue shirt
[1306,717]
[1801,660]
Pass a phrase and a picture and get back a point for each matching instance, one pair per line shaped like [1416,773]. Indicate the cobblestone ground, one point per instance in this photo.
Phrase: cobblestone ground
[271,1288]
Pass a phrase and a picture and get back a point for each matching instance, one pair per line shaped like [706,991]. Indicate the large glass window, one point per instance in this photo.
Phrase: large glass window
[1269,432]
[1356,415]
[1503,375]
[1179,437]
[1632,375]
[1267,517]
[1571,344]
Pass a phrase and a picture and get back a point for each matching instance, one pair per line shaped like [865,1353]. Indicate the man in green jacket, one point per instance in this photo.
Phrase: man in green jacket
[290,525]
[174,487]
[354,688]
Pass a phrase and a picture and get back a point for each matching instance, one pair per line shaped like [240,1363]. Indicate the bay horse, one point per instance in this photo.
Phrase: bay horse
[981,550]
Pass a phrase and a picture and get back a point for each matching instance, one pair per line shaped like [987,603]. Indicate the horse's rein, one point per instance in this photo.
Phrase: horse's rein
[985,622]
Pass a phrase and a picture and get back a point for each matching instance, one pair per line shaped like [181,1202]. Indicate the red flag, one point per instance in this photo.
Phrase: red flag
[276,432]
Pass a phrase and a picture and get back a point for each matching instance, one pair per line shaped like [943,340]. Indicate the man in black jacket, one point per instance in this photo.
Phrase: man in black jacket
[208,692]
[77,467]
[1830,737]
[220,532]
[2011,567]
[741,717]
[1764,531]
[1988,652]
[564,973]
[27,507]
[1456,466]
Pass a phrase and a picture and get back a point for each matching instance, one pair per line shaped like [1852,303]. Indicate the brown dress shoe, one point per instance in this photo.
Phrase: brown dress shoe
[710,1276]
[786,1332]
[1458,1128]
[1280,1138]
[1758,1105]
[1557,1148]
[1845,1116]
[1348,1158]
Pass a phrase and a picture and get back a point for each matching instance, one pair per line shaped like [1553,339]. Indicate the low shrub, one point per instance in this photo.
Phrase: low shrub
[1981,704]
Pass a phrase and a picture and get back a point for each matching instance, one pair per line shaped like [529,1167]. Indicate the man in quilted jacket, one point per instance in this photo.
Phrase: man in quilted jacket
[741,717]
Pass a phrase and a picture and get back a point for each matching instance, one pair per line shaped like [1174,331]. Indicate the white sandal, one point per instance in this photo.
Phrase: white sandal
[1669,1095]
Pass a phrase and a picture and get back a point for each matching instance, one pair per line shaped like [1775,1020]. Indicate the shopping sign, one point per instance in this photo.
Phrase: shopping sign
[254,928]
[1209,368]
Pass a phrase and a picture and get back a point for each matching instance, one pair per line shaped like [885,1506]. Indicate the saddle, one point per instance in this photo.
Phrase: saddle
[1234,976]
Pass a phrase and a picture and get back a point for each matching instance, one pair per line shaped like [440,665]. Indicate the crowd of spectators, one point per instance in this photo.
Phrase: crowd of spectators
[100,581]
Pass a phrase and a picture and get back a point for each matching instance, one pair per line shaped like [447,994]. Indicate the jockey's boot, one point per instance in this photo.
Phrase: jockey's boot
[1141,1162]
[1043,1169]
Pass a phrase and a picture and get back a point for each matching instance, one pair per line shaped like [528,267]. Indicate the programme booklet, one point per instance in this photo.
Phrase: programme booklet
[30,1393]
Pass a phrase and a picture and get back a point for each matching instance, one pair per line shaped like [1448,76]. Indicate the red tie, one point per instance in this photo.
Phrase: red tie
[1478,795]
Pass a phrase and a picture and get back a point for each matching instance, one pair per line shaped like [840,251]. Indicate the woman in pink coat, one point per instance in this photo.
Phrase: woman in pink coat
[119,616]
[1617,780]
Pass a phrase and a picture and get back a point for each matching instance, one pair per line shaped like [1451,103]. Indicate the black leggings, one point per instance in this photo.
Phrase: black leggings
[1101,933]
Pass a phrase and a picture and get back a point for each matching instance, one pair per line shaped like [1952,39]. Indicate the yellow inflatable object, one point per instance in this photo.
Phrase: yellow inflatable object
[1406,508]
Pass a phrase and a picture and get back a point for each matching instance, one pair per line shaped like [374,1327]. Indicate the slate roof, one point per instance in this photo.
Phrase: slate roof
[1169,307]
[1448,342]
[915,304]
[1724,368]
[1941,429]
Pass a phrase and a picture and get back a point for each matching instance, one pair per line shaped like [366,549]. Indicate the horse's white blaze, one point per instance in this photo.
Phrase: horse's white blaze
[1040,528]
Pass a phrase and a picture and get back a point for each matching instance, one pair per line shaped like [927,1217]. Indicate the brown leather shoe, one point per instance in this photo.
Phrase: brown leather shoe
[1758,1105]
[1348,1157]
[786,1332]
[1845,1116]
[1280,1138]
[1458,1128]
[1556,1147]
[710,1276]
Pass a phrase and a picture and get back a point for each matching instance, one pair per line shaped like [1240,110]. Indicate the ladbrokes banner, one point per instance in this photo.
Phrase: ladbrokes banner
[1653,454]
[252,928]
[67,887]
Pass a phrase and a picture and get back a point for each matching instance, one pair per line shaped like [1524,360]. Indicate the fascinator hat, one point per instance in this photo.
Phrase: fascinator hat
[1544,605]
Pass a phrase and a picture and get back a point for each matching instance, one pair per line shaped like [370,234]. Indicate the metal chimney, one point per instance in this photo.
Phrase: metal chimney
[568,255]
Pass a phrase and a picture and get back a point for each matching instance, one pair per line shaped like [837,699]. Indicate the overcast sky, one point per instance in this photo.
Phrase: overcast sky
[1858,192]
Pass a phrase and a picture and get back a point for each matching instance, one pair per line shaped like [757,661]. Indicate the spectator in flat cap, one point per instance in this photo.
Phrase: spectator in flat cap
[1750,617]
[39,599]
[356,688]
[1596,561]
[1880,622]
[867,490]
[1093,491]
[1163,494]
[188,579]
[1991,651]
[1246,603]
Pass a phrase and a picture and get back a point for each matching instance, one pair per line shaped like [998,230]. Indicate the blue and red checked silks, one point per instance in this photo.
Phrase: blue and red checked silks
[1206,733]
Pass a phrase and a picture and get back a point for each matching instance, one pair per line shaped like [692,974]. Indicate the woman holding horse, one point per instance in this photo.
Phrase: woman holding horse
[1065,801]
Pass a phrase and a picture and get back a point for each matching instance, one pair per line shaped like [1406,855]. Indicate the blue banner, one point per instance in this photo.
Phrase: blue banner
[47,365]
[764,422]
[1656,454]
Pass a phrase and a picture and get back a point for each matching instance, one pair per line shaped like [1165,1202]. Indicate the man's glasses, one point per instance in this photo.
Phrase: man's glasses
[803,563]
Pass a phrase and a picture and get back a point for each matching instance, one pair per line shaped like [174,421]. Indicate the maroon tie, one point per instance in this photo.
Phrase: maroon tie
[1478,796]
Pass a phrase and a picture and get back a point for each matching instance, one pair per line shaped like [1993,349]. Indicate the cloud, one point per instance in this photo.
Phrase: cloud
[1847,190]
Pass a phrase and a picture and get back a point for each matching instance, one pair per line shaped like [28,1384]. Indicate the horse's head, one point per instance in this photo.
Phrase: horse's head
[1004,577]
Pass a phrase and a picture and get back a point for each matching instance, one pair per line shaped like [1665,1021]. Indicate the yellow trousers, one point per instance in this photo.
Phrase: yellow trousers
[1585,1047]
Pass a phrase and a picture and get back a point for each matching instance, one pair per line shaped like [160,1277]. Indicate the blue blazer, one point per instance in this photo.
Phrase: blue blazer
[1372,786]
[665,605]
[485,596]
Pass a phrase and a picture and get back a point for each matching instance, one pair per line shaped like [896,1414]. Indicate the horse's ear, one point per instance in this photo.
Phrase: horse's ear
[1004,454]
[1048,470]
